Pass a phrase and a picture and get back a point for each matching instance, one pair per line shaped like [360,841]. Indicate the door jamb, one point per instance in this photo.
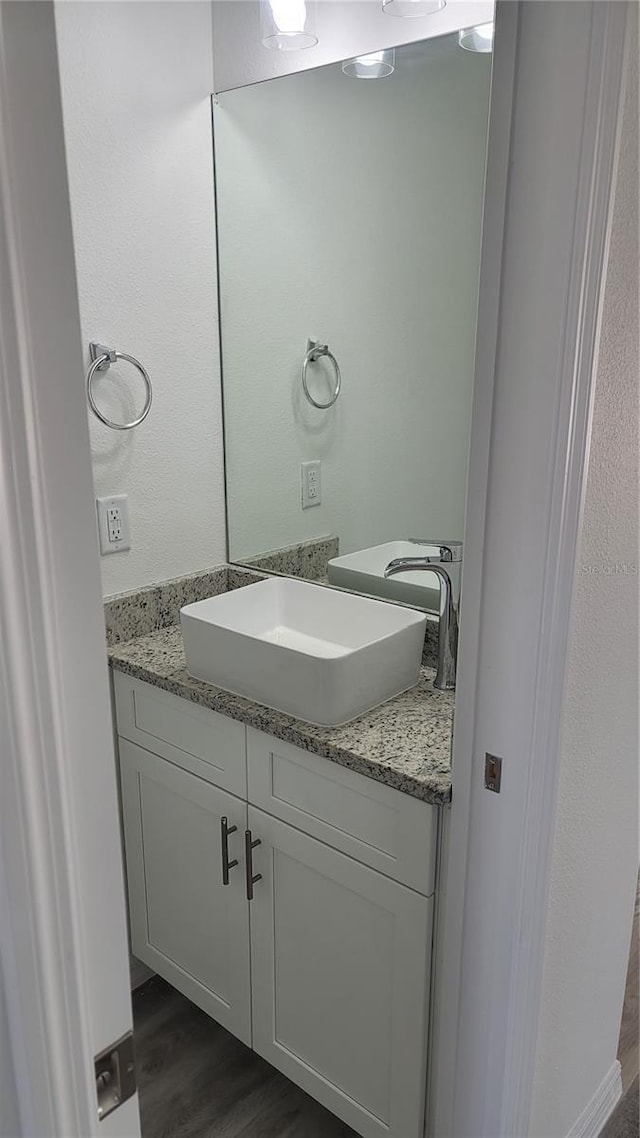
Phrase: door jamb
[491,1095]
[56,777]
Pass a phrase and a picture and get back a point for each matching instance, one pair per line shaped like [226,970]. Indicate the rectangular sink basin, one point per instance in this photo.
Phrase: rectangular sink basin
[364,572]
[304,649]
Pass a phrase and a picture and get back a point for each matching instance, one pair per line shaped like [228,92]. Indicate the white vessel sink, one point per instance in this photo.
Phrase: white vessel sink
[311,652]
[364,572]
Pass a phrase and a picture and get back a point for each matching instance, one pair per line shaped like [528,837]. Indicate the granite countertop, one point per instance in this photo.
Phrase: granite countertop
[405,743]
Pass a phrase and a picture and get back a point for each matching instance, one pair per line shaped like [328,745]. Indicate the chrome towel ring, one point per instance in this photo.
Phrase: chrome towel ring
[314,352]
[102,359]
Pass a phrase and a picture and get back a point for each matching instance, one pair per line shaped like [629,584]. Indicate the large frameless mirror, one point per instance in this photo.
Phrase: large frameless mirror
[349,207]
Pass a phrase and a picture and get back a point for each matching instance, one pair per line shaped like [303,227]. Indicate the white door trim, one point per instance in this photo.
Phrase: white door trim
[576,389]
[453,868]
[61,890]
[38,943]
[530,436]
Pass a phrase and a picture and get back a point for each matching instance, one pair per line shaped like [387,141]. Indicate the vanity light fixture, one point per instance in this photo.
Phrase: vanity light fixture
[288,25]
[376,65]
[478,39]
[412,7]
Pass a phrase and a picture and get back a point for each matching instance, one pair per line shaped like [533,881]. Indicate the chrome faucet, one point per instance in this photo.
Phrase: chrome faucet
[448,623]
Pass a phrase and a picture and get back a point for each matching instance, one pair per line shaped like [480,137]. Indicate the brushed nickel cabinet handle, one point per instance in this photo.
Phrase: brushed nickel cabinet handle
[225,830]
[252,877]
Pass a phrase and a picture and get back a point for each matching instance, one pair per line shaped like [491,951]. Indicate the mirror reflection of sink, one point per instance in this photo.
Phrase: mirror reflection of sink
[311,652]
[364,573]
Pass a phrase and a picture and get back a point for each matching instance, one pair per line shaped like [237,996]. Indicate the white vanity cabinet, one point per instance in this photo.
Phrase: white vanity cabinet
[340,958]
[317,951]
[185,923]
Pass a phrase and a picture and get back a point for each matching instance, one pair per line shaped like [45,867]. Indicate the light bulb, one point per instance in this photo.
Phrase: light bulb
[287,25]
[288,15]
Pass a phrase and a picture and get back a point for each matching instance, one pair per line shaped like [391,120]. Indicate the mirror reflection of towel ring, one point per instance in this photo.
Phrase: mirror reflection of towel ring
[314,352]
[102,359]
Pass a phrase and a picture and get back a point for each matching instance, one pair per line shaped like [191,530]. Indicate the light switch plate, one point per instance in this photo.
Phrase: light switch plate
[113,524]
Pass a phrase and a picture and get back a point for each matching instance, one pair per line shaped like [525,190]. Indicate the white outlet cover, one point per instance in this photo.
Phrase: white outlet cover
[311,484]
[105,509]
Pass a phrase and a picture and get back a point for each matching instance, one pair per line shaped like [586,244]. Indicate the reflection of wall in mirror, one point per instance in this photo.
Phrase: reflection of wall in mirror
[350,212]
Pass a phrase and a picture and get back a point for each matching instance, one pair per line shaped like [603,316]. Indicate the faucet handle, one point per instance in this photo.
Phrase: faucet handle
[449,550]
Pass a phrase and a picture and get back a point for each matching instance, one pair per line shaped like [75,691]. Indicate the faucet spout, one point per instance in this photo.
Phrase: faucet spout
[448,621]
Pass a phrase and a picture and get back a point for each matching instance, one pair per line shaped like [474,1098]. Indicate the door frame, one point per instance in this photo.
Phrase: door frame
[51,924]
[498,847]
[63,939]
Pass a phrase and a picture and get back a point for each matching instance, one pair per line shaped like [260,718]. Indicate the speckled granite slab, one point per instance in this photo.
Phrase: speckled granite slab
[128,615]
[405,743]
[307,559]
[142,611]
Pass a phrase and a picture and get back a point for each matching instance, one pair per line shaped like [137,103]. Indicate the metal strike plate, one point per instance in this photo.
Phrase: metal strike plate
[492,772]
[115,1075]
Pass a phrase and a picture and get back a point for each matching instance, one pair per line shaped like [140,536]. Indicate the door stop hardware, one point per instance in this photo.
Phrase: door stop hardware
[492,772]
[115,1075]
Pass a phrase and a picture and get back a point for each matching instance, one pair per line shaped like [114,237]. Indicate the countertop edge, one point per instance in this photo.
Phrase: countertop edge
[433,794]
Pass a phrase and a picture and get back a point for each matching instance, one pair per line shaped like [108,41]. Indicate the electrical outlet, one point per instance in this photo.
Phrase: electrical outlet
[113,524]
[310,476]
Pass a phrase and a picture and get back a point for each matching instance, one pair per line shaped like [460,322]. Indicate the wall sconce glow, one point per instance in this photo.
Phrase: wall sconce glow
[288,25]
[376,65]
[412,7]
[479,38]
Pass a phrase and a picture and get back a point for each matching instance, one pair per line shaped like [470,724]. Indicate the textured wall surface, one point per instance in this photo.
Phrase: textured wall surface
[595,854]
[350,212]
[136,84]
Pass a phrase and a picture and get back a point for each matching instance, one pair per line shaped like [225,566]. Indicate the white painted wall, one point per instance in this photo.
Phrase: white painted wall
[136,82]
[344,28]
[595,853]
[350,212]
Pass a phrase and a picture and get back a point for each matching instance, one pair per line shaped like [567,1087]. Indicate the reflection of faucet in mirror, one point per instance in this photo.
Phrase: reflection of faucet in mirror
[448,624]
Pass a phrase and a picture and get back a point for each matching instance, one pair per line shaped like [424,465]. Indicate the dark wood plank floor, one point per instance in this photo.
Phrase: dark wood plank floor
[197,1081]
[624,1122]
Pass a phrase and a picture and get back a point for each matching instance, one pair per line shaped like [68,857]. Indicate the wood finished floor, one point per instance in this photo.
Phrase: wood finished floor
[624,1120]
[198,1081]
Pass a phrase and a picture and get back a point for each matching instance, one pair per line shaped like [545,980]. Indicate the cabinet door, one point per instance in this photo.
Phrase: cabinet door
[185,924]
[340,971]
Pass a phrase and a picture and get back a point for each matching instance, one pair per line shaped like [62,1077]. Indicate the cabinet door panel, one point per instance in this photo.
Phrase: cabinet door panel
[185,924]
[371,822]
[340,980]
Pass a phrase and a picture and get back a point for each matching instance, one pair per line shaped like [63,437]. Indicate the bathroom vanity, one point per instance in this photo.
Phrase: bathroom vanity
[283,876]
